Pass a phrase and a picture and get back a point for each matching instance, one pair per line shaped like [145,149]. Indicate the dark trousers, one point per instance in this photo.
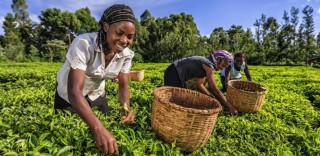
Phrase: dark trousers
[100,102]
[171,77]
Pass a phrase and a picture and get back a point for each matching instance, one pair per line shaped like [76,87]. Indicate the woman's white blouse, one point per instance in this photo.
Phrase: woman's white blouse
[234,74]
[84,54]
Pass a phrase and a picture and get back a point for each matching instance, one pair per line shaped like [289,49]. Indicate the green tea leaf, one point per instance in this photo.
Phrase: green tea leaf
[64,149]
[10,153]
[125,107]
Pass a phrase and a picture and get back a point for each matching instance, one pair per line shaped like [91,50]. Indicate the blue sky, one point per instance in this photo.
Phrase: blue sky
[207,14]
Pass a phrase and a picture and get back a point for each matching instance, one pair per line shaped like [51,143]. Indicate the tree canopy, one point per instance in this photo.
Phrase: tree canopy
[164,39]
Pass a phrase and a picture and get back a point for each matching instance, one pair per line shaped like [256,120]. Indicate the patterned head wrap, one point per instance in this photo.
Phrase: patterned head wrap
[223,54]
[113,14]
[117,13]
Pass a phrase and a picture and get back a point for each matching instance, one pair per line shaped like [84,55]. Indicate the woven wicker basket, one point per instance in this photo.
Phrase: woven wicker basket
[246,96]
[137,75]
[184,116]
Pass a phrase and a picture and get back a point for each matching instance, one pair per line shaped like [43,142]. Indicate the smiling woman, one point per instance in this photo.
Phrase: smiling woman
[92,58]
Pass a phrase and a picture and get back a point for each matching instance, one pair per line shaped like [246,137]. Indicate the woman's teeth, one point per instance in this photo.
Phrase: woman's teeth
[120,47]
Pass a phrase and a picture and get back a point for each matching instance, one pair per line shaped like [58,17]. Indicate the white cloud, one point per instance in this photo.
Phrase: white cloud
[253,29]
[318,11]
[34,18]
[1,25]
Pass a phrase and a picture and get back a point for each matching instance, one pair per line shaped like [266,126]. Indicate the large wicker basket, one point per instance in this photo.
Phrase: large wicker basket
[184,116]
[246,96]
[137,75]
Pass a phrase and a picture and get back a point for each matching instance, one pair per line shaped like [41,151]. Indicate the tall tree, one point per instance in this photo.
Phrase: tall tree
[248,43]
[20,7]
[286,18]
[2,41]
[55,50]
[318,41]
[88,23]
[294,17]
[258,28]
[285,40]
[179,31]
[10,24]
[260,33]
[70,25]
[270,43]
[236,35]
[140,39]
[56,24]
[145,16]
[148,38]
[219,39]
[294,22]
[263,20]
[308,30]
[13,46]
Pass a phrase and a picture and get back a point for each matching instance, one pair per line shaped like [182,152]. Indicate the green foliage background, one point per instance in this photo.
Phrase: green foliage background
[291,41]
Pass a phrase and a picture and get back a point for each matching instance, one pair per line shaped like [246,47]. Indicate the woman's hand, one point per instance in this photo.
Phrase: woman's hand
[233,111]
[105,141]
[129,118]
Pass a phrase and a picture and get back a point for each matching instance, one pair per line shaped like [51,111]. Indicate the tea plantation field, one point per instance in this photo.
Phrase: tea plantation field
[287,124]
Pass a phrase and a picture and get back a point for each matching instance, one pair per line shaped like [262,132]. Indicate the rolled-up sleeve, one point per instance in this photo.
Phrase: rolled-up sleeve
[127,64]
[78,54]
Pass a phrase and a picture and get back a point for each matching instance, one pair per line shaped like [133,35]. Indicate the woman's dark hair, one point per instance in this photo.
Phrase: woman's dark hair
[239,55]
[113,14]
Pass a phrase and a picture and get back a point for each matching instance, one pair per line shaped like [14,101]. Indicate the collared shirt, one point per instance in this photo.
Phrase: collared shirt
[234,74]
[84,54]
[191,67]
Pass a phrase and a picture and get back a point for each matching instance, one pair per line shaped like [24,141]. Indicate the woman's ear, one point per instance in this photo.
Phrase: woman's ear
[105,26]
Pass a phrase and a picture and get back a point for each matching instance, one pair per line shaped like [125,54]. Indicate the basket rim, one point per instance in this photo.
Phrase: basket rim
[186,109]
[262,92]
